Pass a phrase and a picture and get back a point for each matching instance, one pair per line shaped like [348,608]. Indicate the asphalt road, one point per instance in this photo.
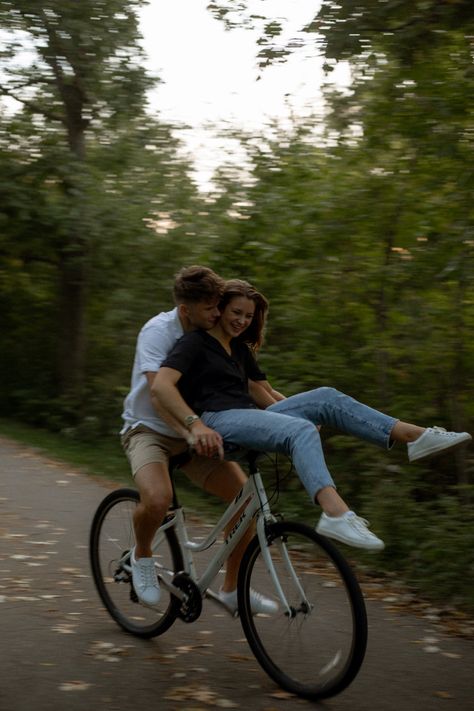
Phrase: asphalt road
[60,650]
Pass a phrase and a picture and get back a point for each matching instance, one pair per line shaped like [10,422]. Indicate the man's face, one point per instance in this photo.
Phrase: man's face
[204,314]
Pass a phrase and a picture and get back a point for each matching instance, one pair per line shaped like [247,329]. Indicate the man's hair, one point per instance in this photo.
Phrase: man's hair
[196,284]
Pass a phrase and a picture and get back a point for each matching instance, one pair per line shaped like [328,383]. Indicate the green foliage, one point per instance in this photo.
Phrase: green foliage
[360,232]
[429,542]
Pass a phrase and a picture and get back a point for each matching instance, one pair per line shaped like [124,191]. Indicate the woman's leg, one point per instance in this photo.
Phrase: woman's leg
[273,432]
[298,438]
[328,406]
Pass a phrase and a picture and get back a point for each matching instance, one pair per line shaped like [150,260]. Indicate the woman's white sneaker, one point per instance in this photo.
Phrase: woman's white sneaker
[435,440]
[260,604]
[350,529]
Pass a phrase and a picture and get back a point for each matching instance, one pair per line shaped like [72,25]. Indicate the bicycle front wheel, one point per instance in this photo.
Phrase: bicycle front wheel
[111,540]
[314,646]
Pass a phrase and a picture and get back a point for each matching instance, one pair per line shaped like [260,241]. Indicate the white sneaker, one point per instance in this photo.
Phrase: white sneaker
[350,529]
[144,578]
[434,440]
[260,604]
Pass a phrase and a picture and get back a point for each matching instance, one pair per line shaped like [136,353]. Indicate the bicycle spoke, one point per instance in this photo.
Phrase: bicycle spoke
[112,538]
[317,647]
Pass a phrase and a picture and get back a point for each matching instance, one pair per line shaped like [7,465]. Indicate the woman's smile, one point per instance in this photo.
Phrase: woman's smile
[237,316]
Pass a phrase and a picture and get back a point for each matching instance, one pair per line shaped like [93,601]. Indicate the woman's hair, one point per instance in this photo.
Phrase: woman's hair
[196,284]
[253,335]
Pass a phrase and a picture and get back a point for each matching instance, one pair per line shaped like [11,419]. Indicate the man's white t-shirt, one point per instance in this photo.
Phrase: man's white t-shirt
[154,342]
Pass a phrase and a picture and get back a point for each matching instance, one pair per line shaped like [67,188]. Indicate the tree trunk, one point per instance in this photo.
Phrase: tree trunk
[72,324]
[73,263]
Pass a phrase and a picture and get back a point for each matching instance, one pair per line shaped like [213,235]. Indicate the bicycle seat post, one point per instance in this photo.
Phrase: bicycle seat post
[252,457]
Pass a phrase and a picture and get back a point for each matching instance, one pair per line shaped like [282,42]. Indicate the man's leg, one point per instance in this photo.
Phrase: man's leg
[148,454]
[154,485]
[226,482]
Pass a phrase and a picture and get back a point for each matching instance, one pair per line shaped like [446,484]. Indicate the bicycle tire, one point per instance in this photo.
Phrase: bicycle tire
[317,650]
[111,537]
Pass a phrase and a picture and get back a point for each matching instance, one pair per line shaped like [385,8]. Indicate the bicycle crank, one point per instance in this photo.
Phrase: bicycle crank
[191,604]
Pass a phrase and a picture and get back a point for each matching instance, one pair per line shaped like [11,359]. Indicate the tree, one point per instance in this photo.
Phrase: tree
[73,68]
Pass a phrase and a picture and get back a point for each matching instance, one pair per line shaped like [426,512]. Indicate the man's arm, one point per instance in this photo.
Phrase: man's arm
[175,424]
[169,402]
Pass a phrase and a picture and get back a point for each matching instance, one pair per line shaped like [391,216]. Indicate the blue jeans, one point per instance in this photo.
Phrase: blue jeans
[288,426]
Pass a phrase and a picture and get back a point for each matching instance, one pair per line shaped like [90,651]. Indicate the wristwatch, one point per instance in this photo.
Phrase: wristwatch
[189,420]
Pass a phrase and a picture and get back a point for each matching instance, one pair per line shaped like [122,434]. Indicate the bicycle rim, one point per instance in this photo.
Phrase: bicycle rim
[316,650]
[111,540]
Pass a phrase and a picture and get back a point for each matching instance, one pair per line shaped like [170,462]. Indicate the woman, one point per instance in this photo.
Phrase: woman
[211,382]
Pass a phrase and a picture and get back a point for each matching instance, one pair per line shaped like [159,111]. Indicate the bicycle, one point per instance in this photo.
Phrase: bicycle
[313,646]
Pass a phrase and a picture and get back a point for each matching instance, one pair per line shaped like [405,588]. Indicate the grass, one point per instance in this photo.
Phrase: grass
[101,458]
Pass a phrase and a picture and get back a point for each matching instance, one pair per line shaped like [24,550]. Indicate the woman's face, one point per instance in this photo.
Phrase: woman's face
[237,316]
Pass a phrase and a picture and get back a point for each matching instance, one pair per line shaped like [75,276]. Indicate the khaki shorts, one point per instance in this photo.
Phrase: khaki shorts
[143,445]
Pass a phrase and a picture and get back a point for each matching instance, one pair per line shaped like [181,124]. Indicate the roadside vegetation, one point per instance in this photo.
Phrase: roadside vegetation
[357,223]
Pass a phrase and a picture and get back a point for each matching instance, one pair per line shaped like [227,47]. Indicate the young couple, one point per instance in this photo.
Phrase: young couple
[196,380]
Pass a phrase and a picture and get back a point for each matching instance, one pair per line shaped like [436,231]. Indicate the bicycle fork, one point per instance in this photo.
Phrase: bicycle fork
[265,547]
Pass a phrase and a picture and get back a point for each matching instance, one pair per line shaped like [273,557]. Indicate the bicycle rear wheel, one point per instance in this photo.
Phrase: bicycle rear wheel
[317,648]
[111,539]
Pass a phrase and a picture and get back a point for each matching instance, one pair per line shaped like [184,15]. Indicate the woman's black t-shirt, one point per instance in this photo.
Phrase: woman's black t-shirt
[212,379]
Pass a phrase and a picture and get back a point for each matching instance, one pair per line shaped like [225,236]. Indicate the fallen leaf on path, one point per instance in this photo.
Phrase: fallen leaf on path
[444,695]
[74,686]
[107,651]
[65,628]
[226,704]
[192,693]
[282,695]
[185,648]
[236,657]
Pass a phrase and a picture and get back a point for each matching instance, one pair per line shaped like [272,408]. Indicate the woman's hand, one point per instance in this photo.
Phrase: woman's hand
[206,441]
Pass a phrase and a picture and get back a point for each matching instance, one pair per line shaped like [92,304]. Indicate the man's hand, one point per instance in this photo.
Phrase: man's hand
[205,441]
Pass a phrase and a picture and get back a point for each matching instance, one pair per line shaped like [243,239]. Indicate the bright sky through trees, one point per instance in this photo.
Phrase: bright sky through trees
[211,79]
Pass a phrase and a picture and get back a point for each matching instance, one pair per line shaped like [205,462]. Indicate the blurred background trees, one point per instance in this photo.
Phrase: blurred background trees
[359,230]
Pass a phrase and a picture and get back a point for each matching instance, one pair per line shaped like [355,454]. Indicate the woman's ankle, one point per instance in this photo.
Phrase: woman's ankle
[330,501]
[406,432]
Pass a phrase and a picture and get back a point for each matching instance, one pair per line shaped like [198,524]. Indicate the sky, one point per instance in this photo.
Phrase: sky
[210,75]
[210,79]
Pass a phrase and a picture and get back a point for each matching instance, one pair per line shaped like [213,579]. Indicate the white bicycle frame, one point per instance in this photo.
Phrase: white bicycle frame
[253,498]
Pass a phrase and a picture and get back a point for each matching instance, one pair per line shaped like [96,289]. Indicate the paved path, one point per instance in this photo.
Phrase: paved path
[60,650]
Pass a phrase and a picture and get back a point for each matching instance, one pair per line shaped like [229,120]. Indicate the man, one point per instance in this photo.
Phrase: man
[149,440]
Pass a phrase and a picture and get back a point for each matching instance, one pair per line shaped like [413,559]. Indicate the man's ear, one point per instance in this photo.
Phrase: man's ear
[183,311]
